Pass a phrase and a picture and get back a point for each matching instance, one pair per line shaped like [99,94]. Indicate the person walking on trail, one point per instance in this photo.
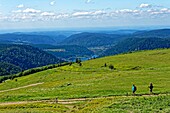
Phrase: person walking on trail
[133,89]
[151,87]
[56,100]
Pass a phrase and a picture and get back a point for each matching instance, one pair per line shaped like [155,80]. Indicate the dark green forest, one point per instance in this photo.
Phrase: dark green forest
[93,39]
[14,58]
[66,51]
[136,44]
[159,33]
[7,68]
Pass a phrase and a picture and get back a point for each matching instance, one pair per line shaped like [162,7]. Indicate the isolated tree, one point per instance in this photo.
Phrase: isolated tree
[80,64]
[78,60]
[111,67]
[70,63]
[105,65]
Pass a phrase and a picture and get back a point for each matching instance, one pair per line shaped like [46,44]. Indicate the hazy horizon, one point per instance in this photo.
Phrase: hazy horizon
[85,29]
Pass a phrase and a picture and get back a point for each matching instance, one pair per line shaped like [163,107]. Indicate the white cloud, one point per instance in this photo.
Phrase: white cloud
[27,14]
[20,6]
[30,14]
[127,11]
[61,16]
[52,3]
[165,10]
[30,10]
[145,6]
[89,13]
[99,12]
[27,10]
[47,14]
[89,1]
[17,11]
[81,13]
[18,17]
[159,11]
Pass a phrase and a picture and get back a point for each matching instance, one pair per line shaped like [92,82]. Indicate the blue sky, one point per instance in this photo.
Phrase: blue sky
[19,14]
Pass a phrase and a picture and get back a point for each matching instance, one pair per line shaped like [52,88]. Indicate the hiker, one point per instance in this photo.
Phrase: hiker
[134,88]
[56,100]
[151,87]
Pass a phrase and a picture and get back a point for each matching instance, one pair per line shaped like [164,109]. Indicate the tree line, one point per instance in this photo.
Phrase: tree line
[31,71]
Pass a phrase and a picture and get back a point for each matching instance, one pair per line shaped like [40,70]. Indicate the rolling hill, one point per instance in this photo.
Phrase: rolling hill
[101,39]
[68,52]
[92,39]
[100,87]
[109,44]
[22,57]
[8,69]
[136,44]
[158,33]
[30,38]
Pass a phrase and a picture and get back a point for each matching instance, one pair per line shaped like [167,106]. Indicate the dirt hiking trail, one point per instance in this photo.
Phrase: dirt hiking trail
[72,101]
[65,101]
[21,87]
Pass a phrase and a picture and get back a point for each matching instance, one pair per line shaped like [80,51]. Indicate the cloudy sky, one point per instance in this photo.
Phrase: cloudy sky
[18,14]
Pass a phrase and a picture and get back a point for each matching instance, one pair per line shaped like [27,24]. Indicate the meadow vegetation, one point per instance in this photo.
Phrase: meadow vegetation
[107,90]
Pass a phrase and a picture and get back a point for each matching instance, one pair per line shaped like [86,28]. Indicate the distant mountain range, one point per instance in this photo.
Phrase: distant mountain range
[21,51]
[76,44]
[14,58]
[143,40]
[160,33]
[136,44]
[18,38]
[93,39]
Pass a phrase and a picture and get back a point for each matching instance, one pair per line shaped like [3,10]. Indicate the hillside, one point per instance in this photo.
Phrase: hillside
[22,57]
[102,39]
[100,87]
[136,44]
[63,33]
[68,52]
[7,69]
[30,38]
[159,33]
[92,39]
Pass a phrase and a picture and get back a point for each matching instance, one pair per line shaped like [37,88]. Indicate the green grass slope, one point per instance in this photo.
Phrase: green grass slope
[93,80]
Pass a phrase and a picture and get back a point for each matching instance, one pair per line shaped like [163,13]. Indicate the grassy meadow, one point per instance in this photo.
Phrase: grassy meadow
[106,90]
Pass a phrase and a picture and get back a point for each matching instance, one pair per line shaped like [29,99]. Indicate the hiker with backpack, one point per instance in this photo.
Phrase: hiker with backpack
[134,89]
[150,87]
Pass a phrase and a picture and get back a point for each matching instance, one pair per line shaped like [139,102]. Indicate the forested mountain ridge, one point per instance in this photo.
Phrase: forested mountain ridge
[30,38]
[88,39]
[159,33]
[66,51]
[93,39]
[7,68]
[85,43]
[24,57]
[135,44]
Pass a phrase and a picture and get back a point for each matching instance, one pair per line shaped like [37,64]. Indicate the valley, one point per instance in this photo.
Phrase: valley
[84,56]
